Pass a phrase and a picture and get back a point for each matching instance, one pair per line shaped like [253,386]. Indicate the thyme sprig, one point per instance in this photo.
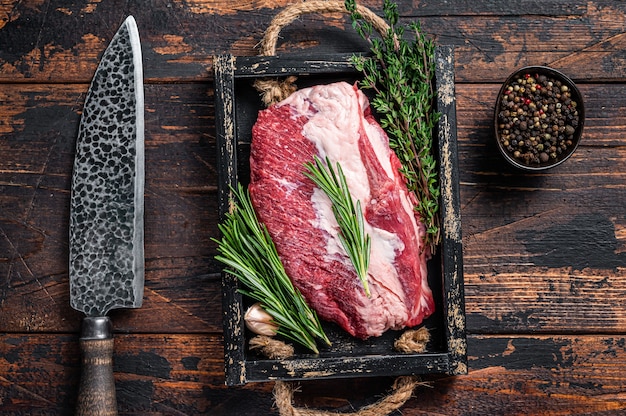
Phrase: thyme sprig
[348,215]
[401,72]
[247,249]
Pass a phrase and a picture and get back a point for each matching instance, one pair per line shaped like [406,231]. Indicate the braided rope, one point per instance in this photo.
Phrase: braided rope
[273,91]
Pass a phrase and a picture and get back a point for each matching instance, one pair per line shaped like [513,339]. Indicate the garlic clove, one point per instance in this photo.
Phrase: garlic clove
[259,321]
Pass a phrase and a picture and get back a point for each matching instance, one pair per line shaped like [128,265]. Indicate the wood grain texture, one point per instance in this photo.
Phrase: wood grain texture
[180,198]
[47,43]
[544,254]
[183,374]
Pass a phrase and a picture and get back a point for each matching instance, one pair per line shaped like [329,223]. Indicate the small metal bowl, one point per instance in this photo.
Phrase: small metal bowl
[539,118]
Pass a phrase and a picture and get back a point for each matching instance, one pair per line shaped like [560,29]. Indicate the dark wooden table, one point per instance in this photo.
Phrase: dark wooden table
[544,254]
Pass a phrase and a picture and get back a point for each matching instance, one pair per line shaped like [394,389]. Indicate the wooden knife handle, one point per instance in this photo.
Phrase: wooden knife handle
[96,394]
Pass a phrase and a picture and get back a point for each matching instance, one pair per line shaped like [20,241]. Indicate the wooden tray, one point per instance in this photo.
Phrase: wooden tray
[237,104]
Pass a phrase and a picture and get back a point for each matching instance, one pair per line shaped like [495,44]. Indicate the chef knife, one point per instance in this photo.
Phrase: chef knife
[106,217]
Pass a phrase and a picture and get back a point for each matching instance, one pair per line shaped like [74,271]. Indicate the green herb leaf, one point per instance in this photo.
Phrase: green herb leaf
[349,217]
[248,251]
[401,74]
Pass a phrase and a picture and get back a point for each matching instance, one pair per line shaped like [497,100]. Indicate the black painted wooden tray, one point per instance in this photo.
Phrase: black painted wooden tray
[237,104]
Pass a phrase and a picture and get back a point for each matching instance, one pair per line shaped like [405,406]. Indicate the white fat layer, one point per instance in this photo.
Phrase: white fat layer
[386,288]
[335,117]
[384,244]
[379,144]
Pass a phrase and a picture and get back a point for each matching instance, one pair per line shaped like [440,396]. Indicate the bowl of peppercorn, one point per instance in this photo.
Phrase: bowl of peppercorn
[539,118]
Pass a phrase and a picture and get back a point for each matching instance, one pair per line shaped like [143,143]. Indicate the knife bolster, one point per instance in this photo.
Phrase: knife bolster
[96,327]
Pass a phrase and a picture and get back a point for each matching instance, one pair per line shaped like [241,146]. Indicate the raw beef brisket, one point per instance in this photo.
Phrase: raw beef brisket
[334,121]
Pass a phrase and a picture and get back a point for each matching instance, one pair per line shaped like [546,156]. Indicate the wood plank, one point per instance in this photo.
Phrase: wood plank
[154,374]
[183,374]
[565,227]
[573,278]
[37,146]
[63,44]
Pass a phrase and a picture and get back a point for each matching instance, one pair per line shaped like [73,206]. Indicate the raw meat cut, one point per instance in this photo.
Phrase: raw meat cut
[334,121]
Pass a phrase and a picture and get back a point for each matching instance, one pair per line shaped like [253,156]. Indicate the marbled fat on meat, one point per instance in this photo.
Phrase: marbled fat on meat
[334,121]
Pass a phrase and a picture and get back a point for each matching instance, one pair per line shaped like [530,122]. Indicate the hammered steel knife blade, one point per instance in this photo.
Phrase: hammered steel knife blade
[106,215]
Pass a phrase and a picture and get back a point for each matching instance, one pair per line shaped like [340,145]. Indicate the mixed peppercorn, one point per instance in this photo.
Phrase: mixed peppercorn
[537,119]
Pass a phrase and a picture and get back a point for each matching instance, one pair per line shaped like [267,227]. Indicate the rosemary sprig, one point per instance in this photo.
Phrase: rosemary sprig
[349,217]
[401,75]
[247,249]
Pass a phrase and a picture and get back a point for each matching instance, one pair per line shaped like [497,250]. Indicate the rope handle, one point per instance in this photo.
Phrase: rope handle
[411,341]
[401,391]
[273,90]
[292,12]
